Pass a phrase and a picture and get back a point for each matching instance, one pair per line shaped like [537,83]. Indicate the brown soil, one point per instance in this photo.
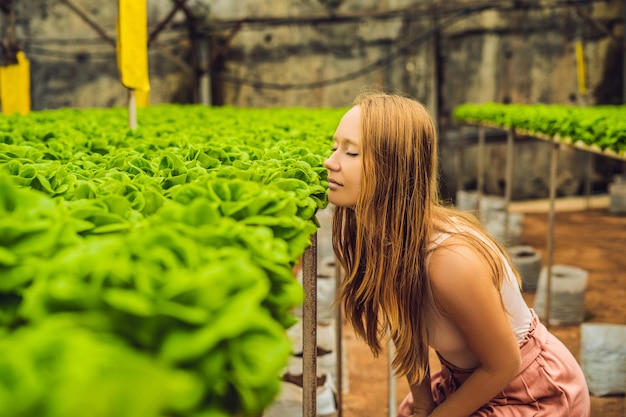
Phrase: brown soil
[589,238]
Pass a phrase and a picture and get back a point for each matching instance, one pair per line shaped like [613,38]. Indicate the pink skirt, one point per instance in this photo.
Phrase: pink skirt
[550,383]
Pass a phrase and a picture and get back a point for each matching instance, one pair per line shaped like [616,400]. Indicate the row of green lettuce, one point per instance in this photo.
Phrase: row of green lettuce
[149,272]
[598,128]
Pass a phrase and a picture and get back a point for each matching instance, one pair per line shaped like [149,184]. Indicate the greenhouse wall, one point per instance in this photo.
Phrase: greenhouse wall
[318,53]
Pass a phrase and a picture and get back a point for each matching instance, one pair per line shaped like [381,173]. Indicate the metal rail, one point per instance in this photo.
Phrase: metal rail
[309,329]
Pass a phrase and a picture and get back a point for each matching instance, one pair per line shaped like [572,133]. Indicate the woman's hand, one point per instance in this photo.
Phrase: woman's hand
[406,408]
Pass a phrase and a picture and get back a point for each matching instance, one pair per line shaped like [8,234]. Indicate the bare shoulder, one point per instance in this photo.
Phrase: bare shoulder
[457,270]
[455,256]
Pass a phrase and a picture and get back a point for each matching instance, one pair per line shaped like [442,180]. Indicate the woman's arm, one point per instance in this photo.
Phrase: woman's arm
[419,402]
[422,398]
[462,285]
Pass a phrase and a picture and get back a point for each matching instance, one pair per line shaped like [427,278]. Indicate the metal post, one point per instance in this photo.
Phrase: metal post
[624,62]
[588,178]
[309,329]
[339,343]
[458,162]
[8,37]
[204,84]
[554,160]
[433,46]
[132,109]
[392,378]
[480,175]
[508,187]
[178,5]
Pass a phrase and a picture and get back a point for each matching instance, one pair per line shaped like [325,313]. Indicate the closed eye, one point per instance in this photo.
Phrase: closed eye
[352,154]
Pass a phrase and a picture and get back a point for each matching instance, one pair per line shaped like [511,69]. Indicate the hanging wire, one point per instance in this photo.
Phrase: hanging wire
[172,37]
[449,15]
[457,14]
[381,62]
[44,49]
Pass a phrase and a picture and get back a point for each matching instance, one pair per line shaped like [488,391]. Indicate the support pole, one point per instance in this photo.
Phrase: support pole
[8,37]
[392,379]
[178,5]
[458,162]
[132,109]
[480,175]
[309,329]
[588,178]
[508,186]
[554,160]
[217,52]
[339,343]
[90,21]
[624,57]
[204,83]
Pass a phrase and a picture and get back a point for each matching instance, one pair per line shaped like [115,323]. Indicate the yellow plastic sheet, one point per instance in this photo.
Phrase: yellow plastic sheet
[132,47]
[580,67]
[142,98]
[15,86]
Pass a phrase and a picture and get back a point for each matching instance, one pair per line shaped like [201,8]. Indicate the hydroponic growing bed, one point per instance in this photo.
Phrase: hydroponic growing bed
[599,129]
[148,272]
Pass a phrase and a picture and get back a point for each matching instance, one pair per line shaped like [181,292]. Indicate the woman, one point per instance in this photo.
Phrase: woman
[431,277]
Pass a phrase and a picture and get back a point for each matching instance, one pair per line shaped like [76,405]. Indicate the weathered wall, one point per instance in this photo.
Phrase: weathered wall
[523,55]
[72,66]
[364,51]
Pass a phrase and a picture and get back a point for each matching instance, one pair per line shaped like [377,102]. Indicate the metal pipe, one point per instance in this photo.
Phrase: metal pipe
[339,343]
[8,39]
[414,12]
[132,109]
[554,160]
[624,60]
[458,162]
[480,175]
[204,83]
[178,5]
[508,186]
[588,178]
[392,379]
[309,329]
[10,28]
[90,21]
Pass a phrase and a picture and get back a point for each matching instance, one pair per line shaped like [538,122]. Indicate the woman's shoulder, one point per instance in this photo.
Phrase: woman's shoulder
[456,263]
[453,250]
[456,232]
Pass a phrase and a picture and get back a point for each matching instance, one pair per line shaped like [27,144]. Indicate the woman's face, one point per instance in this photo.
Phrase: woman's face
[344,164]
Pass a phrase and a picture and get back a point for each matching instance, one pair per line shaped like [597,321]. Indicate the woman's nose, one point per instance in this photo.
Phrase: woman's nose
[330,163]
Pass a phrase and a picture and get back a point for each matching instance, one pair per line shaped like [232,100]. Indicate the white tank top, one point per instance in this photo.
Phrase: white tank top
[447,339]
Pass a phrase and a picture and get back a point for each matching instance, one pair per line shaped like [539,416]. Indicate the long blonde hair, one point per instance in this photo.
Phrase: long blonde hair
[382,243]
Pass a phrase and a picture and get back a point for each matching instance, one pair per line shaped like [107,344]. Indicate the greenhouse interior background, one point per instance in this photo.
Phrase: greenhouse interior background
[165,229]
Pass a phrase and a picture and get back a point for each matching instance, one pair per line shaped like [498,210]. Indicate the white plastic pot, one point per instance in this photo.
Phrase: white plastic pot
[617,195]
[603,357]
[527,261]
[567,294]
